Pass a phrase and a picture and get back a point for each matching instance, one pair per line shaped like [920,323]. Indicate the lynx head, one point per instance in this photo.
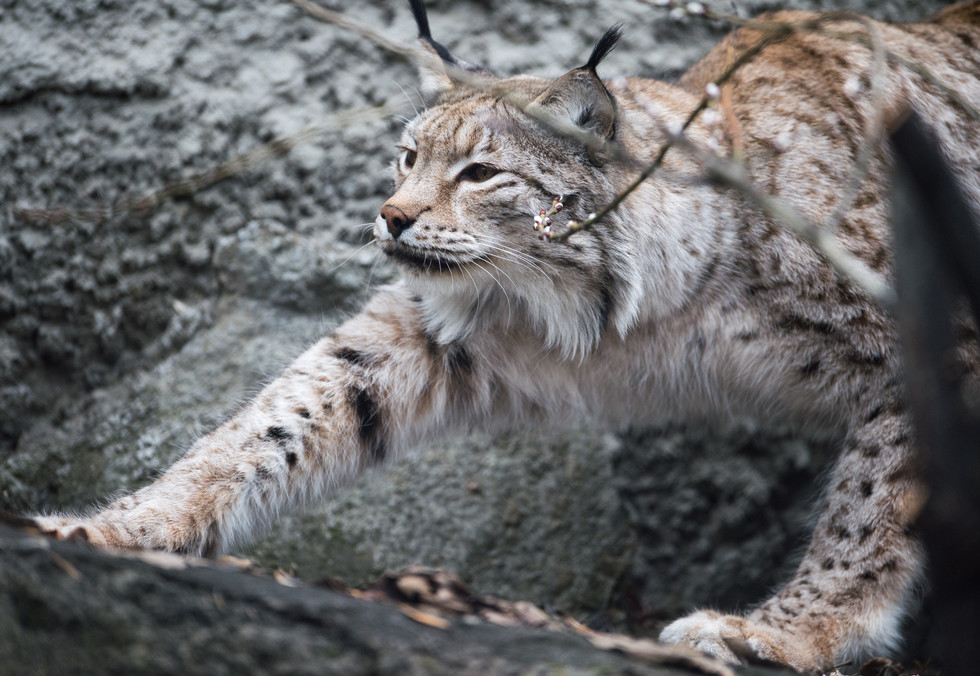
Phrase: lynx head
[472,171]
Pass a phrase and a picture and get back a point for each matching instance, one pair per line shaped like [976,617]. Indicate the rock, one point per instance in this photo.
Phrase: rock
[124,336]
[548,512]
[66,608]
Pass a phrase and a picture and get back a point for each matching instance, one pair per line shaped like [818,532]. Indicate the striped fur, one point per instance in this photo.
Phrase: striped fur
[684,303]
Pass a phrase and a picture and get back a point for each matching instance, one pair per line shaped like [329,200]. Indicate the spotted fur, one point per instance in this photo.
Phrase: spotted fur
[686,302]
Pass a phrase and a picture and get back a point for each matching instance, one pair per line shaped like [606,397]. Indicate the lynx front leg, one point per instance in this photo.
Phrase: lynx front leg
[352,400]
[850,592]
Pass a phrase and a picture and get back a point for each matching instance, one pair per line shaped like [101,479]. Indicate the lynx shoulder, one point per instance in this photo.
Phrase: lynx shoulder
[685,301]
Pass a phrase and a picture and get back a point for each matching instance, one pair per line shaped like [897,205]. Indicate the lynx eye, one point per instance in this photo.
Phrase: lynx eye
[407,159]
[478,173]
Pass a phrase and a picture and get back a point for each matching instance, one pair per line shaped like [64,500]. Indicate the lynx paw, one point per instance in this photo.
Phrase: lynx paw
[79,530]
[716,635]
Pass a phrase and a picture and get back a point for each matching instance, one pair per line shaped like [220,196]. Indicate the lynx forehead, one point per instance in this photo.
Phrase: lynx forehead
[684,302]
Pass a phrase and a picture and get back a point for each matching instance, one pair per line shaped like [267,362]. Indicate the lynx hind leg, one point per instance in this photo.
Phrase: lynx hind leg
[856,580]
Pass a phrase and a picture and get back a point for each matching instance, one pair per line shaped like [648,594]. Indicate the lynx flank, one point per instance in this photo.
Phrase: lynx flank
[686,301]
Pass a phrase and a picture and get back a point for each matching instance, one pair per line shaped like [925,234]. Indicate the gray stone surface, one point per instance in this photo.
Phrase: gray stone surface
[517,517]
[122,340]
[67,609]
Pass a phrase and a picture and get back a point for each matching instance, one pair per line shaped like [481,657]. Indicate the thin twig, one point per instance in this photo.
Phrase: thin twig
[732,174]
[848,36]
[733,125]
[197,182]
[924,73]
[281,146]
[411,52]
[474,80]
[874,126]
[720,170]
[777,32]
[781,32]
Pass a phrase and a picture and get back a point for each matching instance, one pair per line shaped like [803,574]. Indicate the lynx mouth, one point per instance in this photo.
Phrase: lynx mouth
[424,261]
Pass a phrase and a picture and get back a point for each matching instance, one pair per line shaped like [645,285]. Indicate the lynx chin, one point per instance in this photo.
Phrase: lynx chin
[684,302]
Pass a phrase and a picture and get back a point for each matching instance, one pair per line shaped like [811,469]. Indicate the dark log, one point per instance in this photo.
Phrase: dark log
[937,262]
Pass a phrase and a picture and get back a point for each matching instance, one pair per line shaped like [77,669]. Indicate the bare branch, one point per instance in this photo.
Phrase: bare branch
[780,32]
[723,171]
[921,71]
[410,52]
[197,182]
[873,129]
[475,81]
[733,175]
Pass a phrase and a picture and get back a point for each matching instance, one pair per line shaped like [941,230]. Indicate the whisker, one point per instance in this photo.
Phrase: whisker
[501,271]
[348,259]
[517,256]
[528,264]
[476,287]
[417,92]
[525,256]
[479,291]
[410,101]
[363,226]
[374,264]
[494,278]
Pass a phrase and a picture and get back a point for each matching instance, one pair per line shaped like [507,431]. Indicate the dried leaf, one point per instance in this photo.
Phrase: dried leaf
[69,569]
[284,579]
[578,627]
[414,587]
[882,666]
[164,560]
[658,653]
[530,614]
[499,618]
[421,617]
[235,562]
[24,524]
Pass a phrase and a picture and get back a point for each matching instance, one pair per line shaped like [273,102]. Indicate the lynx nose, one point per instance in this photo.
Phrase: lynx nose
[396,219]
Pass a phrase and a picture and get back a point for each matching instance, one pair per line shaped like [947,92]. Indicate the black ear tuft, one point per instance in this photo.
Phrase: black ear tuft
[422,21]
[602,47]
[421,18]
[434,79]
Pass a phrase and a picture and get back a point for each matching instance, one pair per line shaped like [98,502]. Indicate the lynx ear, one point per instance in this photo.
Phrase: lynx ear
[580,97]
[434,78]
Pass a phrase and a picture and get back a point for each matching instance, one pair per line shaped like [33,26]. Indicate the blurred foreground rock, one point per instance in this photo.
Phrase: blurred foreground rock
[66,608]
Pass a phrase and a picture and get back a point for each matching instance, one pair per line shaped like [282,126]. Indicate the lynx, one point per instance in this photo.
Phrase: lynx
[685,302]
